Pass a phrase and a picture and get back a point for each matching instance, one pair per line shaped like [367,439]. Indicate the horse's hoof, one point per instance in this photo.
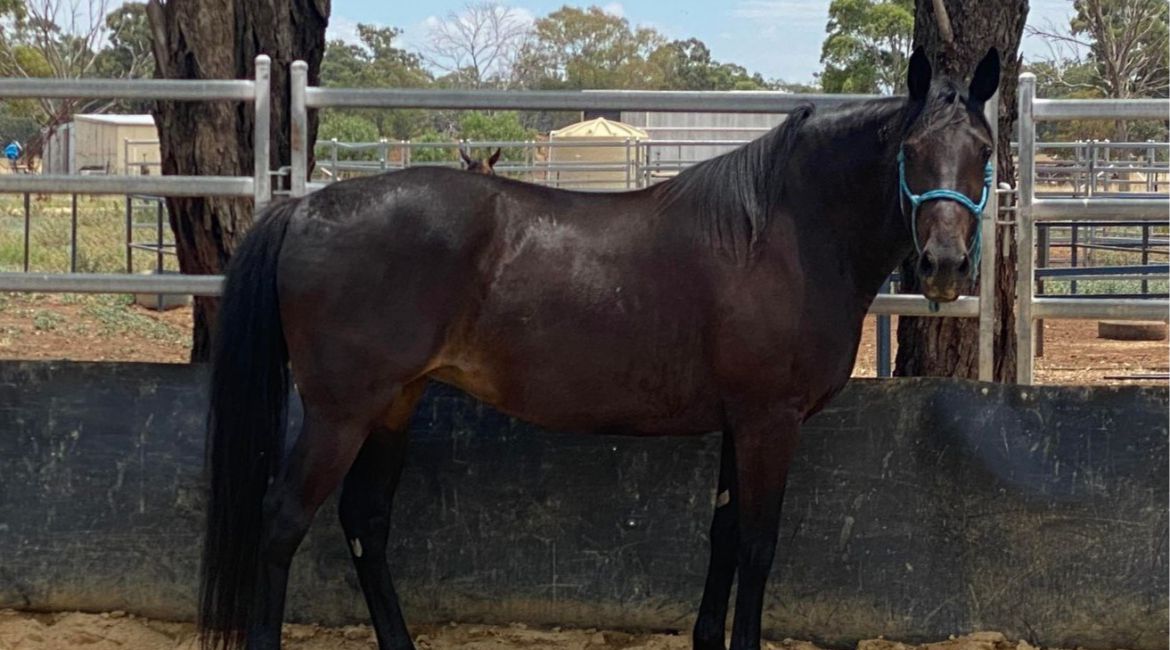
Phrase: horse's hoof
[709,644]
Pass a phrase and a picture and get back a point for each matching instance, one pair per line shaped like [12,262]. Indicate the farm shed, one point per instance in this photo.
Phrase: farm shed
[104,144]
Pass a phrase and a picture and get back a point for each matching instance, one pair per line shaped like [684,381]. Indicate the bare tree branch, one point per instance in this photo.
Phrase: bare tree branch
[478,43]
[944,22]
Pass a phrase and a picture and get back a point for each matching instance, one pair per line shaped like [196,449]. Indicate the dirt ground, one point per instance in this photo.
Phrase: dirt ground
[109,329]
[116,630]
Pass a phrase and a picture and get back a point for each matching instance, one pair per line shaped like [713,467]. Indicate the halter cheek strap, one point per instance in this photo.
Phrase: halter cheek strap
[976,209]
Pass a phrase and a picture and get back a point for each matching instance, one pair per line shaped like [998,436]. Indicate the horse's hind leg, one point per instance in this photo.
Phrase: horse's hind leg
[366,499]
[314,468]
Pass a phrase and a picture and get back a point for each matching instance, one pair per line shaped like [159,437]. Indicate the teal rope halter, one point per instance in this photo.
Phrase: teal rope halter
[976,209]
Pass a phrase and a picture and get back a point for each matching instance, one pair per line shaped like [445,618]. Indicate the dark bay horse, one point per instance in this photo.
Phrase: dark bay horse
[729,298]
[478,165]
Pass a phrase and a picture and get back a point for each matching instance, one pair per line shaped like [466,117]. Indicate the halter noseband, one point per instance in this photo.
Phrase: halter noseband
[976,209]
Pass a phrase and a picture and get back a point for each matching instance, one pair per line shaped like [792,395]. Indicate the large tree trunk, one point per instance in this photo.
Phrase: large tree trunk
[948,347]
[219,39]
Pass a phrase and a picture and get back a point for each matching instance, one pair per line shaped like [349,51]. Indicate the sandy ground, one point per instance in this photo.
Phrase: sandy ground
[118,631]
[53,327]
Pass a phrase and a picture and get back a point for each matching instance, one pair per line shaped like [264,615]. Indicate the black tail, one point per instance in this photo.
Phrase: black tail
[245,428]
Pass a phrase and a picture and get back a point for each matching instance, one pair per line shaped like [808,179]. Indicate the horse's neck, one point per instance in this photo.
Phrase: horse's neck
[853,178]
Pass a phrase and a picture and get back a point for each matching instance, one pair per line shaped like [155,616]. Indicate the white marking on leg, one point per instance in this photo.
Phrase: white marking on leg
[356,544]
[723,499]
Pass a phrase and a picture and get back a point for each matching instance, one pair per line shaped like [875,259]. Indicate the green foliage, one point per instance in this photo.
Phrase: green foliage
[868,46]
[346,127]
[377,63]
[588,48]
[476,126]
[16,124]
[687,65]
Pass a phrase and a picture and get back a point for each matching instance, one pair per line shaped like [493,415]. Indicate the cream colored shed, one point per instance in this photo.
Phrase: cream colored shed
[105,144]
[597,154]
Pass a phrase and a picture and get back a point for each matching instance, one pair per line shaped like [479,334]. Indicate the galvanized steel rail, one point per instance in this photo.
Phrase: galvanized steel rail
[1031,210]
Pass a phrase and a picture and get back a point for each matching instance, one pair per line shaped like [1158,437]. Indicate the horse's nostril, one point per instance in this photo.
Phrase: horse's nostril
[965,265]
[927,265]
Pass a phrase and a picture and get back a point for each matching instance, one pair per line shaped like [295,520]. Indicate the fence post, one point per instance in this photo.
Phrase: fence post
[262,134]
[129,233]
[627,163]
[1091,154]
[383,153]
[987,283]
[1025,271]
[333,158]
[73,234]
[27,228]
[299,117]
[883,338]
[1151,176]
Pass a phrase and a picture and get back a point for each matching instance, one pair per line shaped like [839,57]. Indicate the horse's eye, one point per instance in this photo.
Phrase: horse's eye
[985,152]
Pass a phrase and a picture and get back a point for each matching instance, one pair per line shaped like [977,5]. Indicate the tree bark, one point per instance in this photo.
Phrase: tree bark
[219,39]
[948,347]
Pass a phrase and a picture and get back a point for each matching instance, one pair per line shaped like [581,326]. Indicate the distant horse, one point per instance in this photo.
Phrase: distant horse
[730,297]
[479,166]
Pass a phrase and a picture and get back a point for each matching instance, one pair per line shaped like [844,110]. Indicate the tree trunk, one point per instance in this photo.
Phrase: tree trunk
[948,347]
[219,39]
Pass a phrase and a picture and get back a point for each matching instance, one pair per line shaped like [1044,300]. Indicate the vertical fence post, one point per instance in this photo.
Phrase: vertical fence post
[987,282]
[333,158]
[129,233]
[1151,176]
[299,117]
[73,234]
[883,338]
[27,228]
[1025,272]
[160,236]
[262,134]
[1145,256]
[628,178]
[1091,156]
[383,153]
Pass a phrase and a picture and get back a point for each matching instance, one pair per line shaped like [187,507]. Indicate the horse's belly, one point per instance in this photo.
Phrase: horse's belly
[588,385]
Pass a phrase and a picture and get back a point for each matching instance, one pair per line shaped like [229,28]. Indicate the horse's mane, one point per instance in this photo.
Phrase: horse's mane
[736,192]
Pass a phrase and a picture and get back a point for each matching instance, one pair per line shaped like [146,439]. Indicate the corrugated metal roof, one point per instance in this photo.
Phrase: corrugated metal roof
[120,120]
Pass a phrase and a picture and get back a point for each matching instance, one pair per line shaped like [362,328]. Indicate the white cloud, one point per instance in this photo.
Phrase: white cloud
[788,11]
[615,9]
[342,29]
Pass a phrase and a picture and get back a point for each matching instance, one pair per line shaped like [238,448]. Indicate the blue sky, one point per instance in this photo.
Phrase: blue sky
[777,38]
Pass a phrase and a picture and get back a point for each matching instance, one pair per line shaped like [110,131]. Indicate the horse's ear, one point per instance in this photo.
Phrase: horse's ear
[466,158]
[918,77]
[494,158]
[985,81]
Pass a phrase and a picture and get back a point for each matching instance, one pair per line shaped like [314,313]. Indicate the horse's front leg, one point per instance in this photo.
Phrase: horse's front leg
[711,624]
[765,443]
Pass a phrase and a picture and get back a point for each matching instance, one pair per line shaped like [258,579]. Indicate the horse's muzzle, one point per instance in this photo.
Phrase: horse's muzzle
[941,271]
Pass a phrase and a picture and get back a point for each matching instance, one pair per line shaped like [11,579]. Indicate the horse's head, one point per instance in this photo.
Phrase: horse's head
[944,172]
[479,166]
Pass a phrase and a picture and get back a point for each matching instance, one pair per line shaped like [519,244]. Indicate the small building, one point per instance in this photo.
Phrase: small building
[104,144]
[597,154]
